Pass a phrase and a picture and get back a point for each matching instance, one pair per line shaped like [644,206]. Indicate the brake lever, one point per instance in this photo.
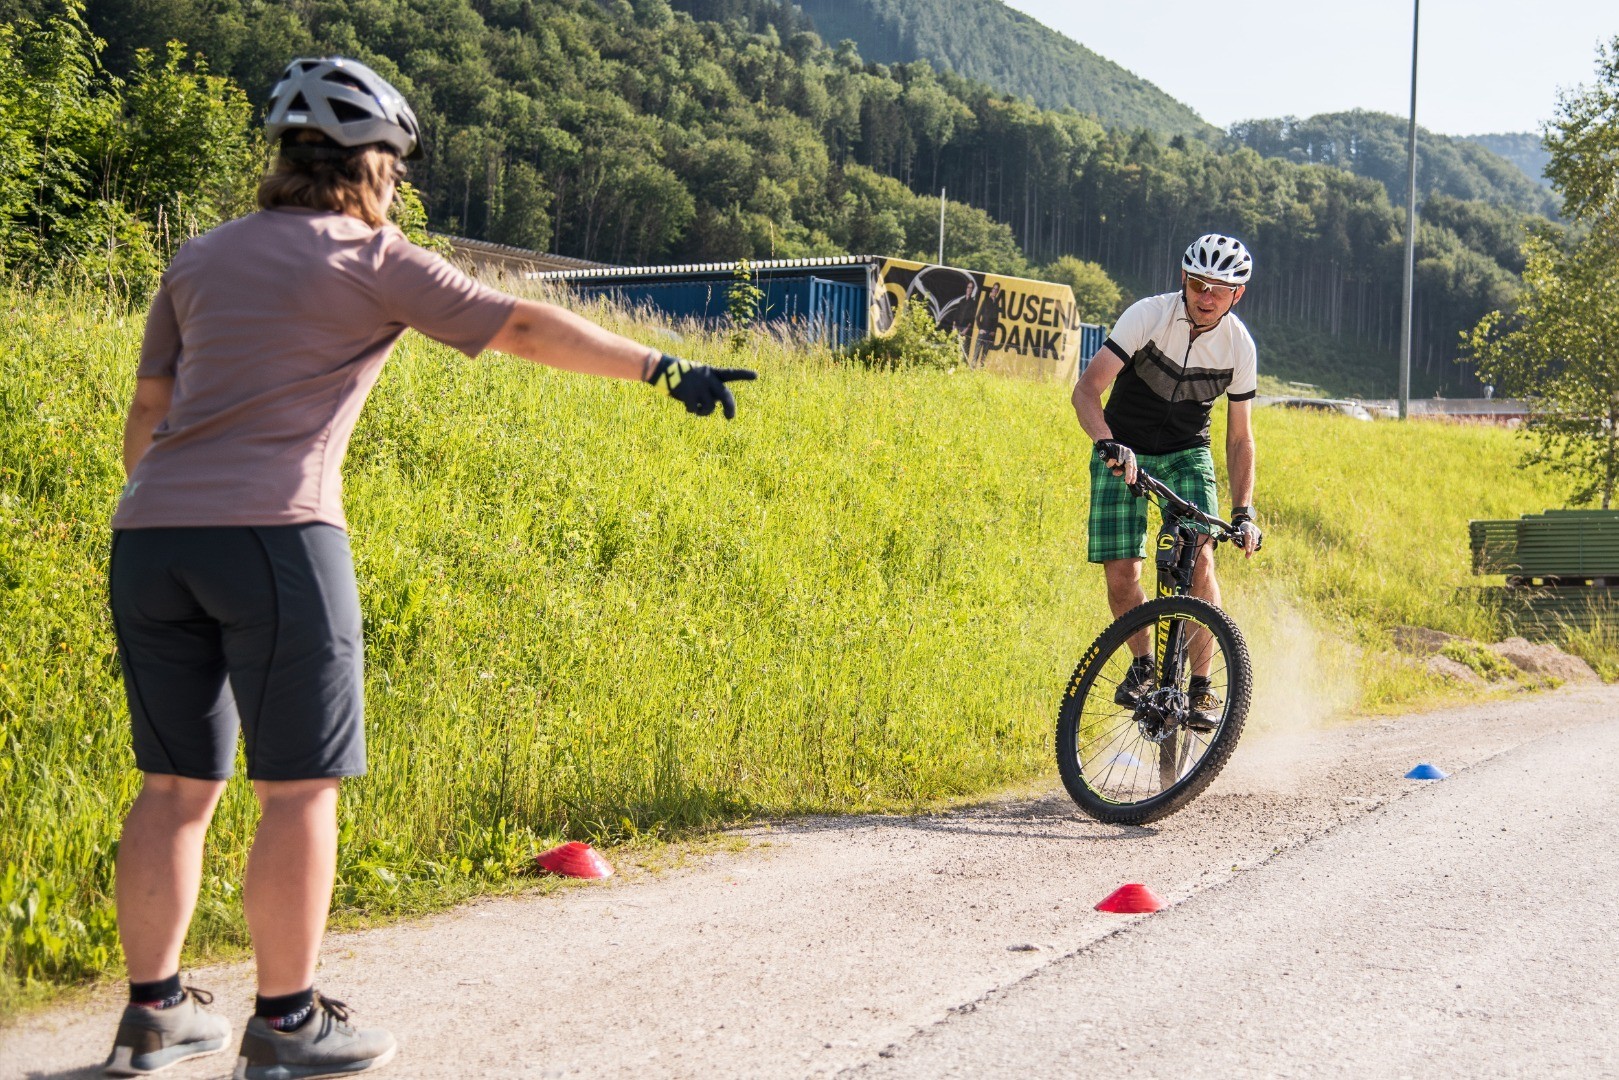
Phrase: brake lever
[1229,536]
[1144,486]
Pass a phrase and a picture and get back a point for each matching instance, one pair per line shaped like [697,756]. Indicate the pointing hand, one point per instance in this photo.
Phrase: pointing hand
[698,386]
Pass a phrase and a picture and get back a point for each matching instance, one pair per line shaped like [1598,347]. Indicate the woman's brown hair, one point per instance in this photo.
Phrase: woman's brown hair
[353,182]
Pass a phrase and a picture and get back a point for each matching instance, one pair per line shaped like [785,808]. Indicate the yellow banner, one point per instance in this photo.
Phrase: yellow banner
[1007,325]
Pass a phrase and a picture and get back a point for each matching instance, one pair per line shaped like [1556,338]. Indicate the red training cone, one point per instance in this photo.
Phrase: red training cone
[1130,899]
[574,859]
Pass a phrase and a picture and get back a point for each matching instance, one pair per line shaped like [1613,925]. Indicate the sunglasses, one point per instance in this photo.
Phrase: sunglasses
[1199,287]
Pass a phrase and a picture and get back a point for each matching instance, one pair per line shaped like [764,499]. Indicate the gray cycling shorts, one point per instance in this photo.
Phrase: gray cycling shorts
[246,627]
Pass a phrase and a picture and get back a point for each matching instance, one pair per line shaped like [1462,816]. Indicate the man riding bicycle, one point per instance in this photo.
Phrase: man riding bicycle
[1167,359]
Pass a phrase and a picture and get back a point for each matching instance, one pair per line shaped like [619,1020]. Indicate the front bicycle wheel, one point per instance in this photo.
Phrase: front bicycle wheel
[1133,749]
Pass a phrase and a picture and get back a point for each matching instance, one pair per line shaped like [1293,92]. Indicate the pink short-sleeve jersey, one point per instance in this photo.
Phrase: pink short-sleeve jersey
[274,328]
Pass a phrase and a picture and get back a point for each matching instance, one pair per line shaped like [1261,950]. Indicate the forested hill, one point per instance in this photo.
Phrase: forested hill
[628,132]
[990,42]
[987,41]
[1373,145]
[1524,149]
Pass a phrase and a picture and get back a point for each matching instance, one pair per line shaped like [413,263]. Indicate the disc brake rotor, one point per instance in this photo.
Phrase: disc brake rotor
[1160,712]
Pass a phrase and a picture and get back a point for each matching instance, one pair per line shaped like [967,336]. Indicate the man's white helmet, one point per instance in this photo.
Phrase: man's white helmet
[1218,258]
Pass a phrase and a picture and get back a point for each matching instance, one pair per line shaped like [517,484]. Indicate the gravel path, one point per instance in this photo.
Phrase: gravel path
[881,943]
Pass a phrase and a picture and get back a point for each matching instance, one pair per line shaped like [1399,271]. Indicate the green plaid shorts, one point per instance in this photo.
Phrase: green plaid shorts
[1119,519]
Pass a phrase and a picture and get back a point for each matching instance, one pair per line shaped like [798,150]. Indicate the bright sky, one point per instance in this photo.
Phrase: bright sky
[1483,66]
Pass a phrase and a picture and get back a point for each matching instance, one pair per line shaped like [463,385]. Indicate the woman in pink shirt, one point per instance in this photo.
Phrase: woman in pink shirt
[232,588]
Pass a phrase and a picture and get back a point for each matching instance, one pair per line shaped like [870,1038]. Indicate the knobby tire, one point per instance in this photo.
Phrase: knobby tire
[1089,684]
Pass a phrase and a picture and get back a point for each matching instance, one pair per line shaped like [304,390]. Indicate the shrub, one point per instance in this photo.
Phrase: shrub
[1096,296]
[916,341]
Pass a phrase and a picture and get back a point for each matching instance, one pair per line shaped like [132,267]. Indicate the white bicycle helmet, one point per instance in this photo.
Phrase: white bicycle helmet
[345,101]
[1218,258]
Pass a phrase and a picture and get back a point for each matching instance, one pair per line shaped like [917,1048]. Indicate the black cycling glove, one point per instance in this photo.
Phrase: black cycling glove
[698,386]
[1118,456]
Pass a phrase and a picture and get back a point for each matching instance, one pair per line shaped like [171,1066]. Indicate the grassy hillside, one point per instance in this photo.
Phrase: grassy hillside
[590,615]
[990,42]
[1341,368]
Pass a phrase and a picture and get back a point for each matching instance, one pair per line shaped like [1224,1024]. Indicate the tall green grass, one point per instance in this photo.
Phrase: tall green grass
[591,615]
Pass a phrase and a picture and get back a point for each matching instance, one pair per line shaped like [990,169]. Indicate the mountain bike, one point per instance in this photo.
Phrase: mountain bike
[1133,748]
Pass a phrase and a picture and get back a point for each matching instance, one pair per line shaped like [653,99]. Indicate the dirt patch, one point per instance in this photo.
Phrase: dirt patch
[1421,641]
[1545,661]
[1454,671]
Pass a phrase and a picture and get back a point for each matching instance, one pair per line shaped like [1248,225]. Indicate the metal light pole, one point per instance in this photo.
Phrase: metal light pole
[941,226]
[1410,226]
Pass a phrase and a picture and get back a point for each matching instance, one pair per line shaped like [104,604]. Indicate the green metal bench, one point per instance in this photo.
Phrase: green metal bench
[1557,547]
[1561,567]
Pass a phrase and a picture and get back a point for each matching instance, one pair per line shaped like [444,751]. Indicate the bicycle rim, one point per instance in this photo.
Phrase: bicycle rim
[1133,760]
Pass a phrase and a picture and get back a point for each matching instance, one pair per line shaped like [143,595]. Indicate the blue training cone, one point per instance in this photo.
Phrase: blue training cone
[1425,771]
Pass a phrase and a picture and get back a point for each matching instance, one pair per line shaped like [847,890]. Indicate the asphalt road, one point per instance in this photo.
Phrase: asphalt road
[1328,918]
[1469,930]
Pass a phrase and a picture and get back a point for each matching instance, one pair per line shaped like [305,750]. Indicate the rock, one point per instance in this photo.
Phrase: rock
[1419,640]
[1454,670]
[1545,660]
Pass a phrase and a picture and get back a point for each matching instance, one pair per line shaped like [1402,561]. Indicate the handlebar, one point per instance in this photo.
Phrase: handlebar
[1146,484]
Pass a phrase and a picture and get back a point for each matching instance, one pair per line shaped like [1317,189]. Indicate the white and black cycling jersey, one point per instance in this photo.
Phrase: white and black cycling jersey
[1162,399]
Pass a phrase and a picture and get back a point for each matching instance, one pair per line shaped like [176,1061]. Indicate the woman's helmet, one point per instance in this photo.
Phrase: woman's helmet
[345,101]
[1218,258]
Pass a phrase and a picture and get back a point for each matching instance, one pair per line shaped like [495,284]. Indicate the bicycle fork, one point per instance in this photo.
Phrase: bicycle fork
[1176,558]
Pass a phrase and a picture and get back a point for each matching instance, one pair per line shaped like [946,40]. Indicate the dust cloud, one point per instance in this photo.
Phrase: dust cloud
[1304,679]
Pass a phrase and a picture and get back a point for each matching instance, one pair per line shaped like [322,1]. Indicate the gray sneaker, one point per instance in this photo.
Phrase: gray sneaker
[326,1045]
[153,1039]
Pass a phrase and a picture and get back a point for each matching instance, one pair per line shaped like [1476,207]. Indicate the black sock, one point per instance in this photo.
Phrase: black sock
[287,1012]
[163,994]
[1199,682]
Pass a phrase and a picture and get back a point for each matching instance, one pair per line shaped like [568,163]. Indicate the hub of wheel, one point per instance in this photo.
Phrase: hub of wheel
[1160,712]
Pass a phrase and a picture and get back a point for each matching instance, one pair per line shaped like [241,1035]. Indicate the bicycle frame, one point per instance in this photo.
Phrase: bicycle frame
[1177,548]
[1178,544]
[1177,556]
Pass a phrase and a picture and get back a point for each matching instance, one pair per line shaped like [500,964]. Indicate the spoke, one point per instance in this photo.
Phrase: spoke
[1103,734]
[1123,731]
[1099,725]
[1104,708]
[1116,745]
[1102,678]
